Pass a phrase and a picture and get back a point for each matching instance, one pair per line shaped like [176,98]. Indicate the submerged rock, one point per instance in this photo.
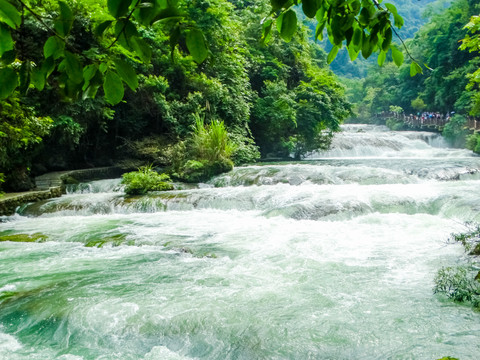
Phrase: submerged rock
[37,237]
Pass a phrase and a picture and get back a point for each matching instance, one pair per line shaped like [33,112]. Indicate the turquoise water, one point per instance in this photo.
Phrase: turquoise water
[330,258]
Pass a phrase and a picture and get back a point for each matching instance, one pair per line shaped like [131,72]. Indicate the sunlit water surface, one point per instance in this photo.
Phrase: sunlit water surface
[330,258]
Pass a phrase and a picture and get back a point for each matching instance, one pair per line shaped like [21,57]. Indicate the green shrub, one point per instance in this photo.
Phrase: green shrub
[395,125]
[207,153]
[473,143]
[245,149]
[211,142]
[144,180]
[454,131]
[459,284]
[469,239]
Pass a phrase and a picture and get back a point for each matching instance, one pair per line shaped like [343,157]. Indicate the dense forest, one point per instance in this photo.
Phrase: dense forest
[448,46]
[97,83]
[281,94]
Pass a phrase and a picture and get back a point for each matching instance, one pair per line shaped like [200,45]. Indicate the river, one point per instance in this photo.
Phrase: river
[329,258]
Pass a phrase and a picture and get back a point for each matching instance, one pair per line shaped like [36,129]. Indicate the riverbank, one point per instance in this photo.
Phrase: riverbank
[53,184]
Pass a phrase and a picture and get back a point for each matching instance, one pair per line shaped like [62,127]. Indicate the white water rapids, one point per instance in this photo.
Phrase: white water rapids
[330,258]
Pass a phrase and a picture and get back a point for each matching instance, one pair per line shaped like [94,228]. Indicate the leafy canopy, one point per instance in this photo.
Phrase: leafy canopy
[363,26]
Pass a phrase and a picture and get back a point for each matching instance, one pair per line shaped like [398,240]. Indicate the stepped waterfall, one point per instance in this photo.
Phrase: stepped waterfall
[332,257]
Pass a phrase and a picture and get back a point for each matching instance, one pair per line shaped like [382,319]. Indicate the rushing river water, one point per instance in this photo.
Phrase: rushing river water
[330,258]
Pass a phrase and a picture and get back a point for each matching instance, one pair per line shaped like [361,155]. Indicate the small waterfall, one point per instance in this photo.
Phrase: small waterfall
[353,141]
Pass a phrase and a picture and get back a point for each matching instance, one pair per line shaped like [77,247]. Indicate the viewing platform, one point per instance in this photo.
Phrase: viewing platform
[430,121]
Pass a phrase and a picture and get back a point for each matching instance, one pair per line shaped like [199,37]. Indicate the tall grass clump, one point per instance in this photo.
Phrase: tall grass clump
[211,142]
[206,153]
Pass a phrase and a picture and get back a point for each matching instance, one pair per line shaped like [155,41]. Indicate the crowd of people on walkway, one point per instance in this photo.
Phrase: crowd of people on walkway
[429,119]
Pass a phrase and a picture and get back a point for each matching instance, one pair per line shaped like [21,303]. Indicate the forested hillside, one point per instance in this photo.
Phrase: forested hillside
[447,85]
[415,14]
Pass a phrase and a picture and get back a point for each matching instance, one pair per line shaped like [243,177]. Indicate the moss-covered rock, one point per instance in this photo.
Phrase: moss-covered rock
[114,240]
[197,171]
[36,237]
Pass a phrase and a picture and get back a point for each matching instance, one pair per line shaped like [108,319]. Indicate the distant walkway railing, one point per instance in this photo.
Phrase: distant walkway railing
[429,120]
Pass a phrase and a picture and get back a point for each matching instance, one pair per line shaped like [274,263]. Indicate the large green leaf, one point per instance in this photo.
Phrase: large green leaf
[388,39]
[100,29]
[8,82]
[53,47]
[357,39]
[8,57]
[319,30]
[141,48]
[397,56]
[63,24]
[287,25]
[367,46]
[352,52]
[267,30]
[278,4]
[89,72]
[118,8]
[73,67]
[127,73]
[381,57]
[415,69]
[48,66]
[24,73]
[9,14]
[113,88]
[38,78]
[332,54]
[6,42]
[196,45]
[310,7]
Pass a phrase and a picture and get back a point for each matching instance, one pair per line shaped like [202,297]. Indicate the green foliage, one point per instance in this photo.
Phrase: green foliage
[211,142]
[196,45]
[121,25]
[418,104]
[175,58]
[454,131]
[473,142]
[206,153]
[472,43]
[2,180]
[144,180]
[469,239]
[20,131]
[441,88]
[459,284]
[245,151]
[395,125]
[67,131]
